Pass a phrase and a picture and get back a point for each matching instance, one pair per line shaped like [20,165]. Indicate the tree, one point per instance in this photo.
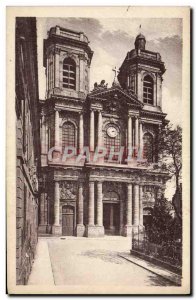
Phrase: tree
[170,154]
[163,228]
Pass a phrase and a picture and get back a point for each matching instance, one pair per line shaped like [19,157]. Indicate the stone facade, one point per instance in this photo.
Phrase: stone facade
[27,145]
[87,196]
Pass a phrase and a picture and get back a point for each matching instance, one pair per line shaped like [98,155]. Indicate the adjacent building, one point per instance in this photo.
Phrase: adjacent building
[99,171]
[27,145]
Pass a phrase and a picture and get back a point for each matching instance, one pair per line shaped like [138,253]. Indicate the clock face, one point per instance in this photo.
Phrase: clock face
[112,132]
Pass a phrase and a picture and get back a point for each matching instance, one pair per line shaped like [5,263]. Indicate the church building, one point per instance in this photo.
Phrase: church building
[99,157]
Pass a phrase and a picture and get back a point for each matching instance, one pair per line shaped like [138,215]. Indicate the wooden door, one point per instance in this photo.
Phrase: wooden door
[67,220]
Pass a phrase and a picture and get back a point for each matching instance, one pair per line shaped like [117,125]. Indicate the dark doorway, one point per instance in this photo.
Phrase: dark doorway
[111,218]
[147,217]
[67,220]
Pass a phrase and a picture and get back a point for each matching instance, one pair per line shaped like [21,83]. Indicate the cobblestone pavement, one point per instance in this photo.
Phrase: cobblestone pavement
[82,261]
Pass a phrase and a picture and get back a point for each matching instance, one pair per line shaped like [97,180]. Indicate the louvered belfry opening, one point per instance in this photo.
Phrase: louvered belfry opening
[69,74]
[148,90]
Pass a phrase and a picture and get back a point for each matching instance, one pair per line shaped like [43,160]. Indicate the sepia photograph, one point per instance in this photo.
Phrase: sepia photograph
[98,184]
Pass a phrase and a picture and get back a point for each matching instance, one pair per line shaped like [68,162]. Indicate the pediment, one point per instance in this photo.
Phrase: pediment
[116,96]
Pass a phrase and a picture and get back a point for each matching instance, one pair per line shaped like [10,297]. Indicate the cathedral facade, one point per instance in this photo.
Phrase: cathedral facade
[99,154]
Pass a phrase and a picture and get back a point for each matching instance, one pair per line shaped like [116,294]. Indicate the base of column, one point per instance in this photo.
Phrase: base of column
[56,230]
[42,228]
[128,230]
[132,162]
[80,230]
[94,231]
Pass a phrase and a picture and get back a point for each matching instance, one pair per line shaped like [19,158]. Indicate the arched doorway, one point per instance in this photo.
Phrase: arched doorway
[68,220]
[111,213]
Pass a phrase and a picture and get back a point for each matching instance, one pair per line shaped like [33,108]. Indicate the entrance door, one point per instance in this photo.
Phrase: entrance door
[111,218]
[67,220]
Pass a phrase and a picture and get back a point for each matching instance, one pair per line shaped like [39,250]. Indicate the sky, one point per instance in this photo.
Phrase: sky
[111,39]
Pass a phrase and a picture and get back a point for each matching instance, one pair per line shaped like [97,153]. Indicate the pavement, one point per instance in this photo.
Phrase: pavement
[94,261]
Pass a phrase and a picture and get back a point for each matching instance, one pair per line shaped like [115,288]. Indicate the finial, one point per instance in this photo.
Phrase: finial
[115,81]
[115,72]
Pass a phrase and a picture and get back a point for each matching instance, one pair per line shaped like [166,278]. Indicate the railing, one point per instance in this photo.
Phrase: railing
[169,252]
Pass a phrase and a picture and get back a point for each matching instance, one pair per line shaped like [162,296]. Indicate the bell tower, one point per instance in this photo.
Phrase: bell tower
[141,74]
[67,59]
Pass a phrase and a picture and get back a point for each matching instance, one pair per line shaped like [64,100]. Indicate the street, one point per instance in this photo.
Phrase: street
[85,261]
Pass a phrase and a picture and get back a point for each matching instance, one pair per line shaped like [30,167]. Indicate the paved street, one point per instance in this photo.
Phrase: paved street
[82,261]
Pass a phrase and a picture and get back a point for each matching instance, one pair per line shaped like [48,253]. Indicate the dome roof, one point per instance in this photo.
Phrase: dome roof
[140,42]
[140,36]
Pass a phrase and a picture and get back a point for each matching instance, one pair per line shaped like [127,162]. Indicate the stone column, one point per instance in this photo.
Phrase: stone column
[99,133]
[57,73]
[136,205]
[136,134]
[81,73]
[56,230]
[81,133]
[47,77]
[128,226]
[129,204]
[52,70]
[100,228]
[80,230]
[129,138]
[91,203]
[46,137]
[121,217]
[56,128]
[141,140]
[43,135]
[91,228]
[42,212]
[92,131]
[141,206]
[99,204]
[56,152]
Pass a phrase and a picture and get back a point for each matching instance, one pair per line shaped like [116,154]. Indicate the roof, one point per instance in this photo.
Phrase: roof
[140,36]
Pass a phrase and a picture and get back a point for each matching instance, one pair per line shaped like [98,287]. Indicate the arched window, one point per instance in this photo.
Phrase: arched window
[148,147]
[69,74]
[68,135]
[148,90]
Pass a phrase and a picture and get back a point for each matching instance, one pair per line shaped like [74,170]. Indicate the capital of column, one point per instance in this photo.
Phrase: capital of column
[57,109]
[57,51]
